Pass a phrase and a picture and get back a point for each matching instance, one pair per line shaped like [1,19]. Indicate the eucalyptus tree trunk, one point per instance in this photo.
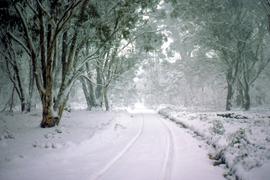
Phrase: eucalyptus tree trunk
[48,119]
[229,90]
[57,105]
[20,88]
[89,95]
[46,53]
[14,76]
[105,97]
[40,43]
[98,91]
[86,94]
[91,90]
[239,97]
[246,95]
[11,101]
[30,89]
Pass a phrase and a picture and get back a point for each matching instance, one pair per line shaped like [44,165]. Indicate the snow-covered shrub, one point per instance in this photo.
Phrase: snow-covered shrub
[217,127]
[241,139]
[238,137]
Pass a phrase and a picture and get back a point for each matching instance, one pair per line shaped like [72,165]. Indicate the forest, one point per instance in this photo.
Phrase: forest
[210,54]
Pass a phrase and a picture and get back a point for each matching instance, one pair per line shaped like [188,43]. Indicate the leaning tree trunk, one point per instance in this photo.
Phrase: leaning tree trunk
[86,94]
[61,109]
[17,83]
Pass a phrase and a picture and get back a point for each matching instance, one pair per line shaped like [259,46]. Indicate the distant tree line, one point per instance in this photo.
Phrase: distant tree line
[228,39]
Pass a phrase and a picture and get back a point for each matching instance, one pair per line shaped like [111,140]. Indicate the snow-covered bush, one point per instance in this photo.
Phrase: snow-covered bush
[240,139]
[218,127]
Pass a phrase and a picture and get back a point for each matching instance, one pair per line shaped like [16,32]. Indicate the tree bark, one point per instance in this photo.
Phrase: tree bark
[98,91]
[86,94]
[16,80]
[90,86]
[48,120]
[105,96]
[240,95]
[229,91]
[246,95]
[47,116]
[31,88]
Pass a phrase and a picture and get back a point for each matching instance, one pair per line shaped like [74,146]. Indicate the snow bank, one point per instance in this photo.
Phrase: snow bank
[241,139]
[80,146]
[22,140]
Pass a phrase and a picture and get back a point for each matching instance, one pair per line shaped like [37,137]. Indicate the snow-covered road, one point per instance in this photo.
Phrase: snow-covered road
[160,150]
[134,147]
[147,156]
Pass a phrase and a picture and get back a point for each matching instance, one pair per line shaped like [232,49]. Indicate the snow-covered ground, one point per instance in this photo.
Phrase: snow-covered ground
[97,145]
[241,141]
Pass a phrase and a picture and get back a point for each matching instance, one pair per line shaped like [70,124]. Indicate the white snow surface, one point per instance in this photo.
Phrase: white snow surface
[242,143]
[97,145]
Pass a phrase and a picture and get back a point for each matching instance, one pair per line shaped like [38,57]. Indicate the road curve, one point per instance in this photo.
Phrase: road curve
[168,160]
[102,171]
[160,151]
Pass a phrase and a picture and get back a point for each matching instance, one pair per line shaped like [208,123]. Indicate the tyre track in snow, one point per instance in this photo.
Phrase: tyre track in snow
[110,164]
[169,154]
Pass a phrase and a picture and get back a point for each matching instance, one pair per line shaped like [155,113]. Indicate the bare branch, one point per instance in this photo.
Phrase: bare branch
[12,79]
[20,43]
[43,9]
[29,39]
[31,7]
